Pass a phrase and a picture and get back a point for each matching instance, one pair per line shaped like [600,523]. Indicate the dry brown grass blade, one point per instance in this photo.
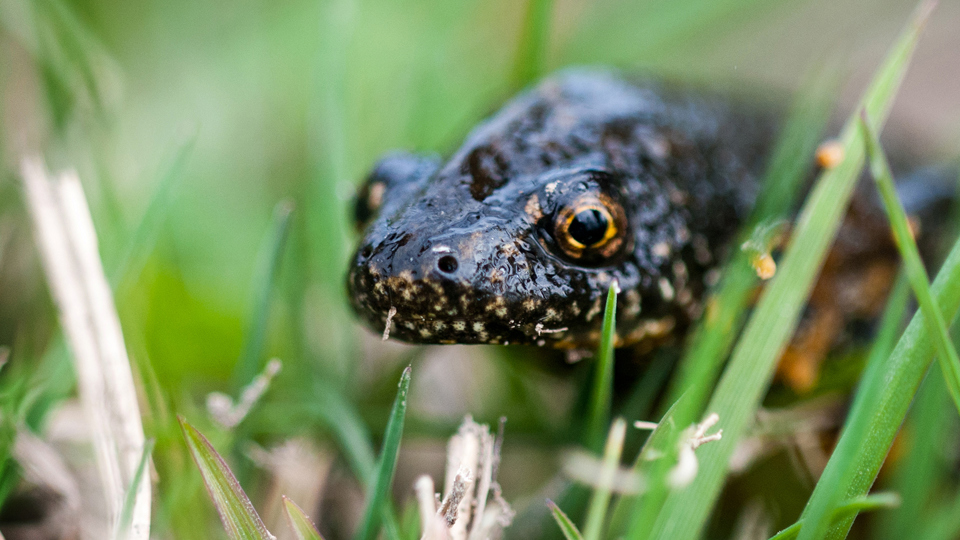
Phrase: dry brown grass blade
[67,243]
[472,507]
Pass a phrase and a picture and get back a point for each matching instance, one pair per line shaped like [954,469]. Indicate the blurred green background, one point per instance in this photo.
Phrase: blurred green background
[189,122]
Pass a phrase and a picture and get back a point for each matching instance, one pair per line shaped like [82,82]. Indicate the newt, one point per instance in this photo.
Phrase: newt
[585,180]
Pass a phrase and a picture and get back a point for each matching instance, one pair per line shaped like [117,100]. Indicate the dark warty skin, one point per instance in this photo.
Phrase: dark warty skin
[583,181]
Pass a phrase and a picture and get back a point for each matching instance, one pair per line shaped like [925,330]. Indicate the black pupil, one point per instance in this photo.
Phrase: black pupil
[588,227]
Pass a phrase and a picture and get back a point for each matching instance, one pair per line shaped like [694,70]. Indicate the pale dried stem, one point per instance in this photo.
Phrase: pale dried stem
[67,243]
[434,526]
[463,457]
[485,480]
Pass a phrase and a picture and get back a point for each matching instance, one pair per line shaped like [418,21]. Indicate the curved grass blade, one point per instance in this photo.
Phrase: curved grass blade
[145,236]
[249,364]
[601,397]
[130,499]
[658,455]
[877,501]
[570,531]
[380,488]
[751,367]
[239,518]
[919,280]
[299,522]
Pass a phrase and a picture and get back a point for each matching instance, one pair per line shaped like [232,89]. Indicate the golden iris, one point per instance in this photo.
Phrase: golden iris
[590,226]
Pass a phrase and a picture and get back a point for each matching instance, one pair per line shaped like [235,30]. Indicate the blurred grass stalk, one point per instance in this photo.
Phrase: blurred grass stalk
[67,243]
[743,384]
[268,267]
[534,40]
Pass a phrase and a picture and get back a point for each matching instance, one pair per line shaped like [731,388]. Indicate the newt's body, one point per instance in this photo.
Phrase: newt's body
[584,180]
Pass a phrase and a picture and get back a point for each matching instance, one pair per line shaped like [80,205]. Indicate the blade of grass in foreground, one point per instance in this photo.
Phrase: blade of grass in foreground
[790,164]
[570,531]
[750,371]
[600,500]
[327,405]
[299,522]
[877,501]
[886,397]
[380,488]
[654,461]
[726,308]
[239,518]
[922,473]
[919,280]
[602,394]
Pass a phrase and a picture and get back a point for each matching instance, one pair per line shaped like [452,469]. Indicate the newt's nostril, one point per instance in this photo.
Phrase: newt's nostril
[447,264]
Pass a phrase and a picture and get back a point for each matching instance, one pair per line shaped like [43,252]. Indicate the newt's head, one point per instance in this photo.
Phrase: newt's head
[519,235]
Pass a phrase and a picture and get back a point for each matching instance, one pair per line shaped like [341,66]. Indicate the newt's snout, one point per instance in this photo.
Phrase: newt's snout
[451,286]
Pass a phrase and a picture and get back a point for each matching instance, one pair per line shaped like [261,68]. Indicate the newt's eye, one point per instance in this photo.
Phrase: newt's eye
[591,229]
[369,200]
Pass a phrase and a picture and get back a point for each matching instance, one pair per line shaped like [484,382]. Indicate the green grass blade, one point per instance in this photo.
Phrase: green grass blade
[130,499]
[877,501]
[299,522]
[601,397]
[610,31]
[886,397]
[789,166]
[712,339]
[328,406]
[919,280]
[145,236]
[663,441]
[751,368]
[535,38]
[891,324]
[249,364]
[239,518]
[570,531]
[380,489]
[918,476]
[351,434]
[600,500]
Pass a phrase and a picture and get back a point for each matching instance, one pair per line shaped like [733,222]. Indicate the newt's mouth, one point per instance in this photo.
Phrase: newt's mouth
[438,310]
[426,311]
